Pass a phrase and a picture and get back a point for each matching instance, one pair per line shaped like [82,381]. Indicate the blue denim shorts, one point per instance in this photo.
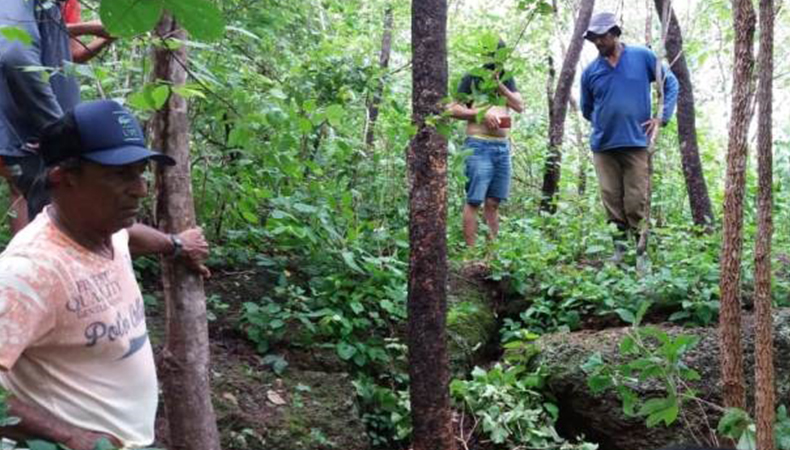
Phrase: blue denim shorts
[487,170]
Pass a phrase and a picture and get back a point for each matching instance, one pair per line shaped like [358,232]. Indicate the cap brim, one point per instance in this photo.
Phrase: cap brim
[122,156]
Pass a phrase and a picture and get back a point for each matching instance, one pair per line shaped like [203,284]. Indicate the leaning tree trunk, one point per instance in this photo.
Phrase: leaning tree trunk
[732,239]
[699,200]
[429,374]
[559,109]
[764,368]
[185,374]
[384,62]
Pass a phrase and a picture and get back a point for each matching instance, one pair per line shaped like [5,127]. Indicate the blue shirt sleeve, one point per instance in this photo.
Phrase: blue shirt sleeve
[670,94]
[670,86]
[586,97]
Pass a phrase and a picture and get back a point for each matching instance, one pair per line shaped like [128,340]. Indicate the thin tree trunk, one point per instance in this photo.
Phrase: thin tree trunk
[384,62]
[765,391]
[699,200]
[429,374]
[559,109]
[185,374]
[733,392]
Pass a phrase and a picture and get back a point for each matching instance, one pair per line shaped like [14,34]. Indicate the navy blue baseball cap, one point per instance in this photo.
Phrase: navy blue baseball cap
[103,132]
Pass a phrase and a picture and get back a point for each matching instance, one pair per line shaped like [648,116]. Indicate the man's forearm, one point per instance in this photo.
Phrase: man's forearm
[92,28]
[82,53]
[459,111]
[145,240]
[514,100]
[35,423]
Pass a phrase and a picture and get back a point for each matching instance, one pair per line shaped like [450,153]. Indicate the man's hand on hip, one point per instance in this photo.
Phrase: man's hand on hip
[651,128]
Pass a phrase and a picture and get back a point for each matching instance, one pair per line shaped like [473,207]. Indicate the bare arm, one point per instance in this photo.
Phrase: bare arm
[145,240]
[37,423]
[91,28]
[82,52]
[514,100]
[462,112]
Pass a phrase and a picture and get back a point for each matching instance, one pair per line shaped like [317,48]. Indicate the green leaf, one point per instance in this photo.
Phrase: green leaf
[126,18]
[627,345]
[734,423]
[334,114]
[667,415]
[345,350]
[41,445]
[159,95]
[348,257]
[201,18]
[104,444]
[16,34]
[625,315]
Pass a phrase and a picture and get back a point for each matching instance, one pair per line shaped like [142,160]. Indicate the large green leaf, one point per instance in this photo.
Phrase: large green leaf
[201,18]
[127,18]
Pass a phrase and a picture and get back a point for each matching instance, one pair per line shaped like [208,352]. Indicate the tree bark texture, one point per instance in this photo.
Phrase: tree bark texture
[185,374]
[765,394]
[696,187]
[384,63]
[733,392]
[559,109]
[429,374]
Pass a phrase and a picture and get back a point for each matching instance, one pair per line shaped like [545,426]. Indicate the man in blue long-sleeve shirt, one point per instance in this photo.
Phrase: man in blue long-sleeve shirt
[615,97]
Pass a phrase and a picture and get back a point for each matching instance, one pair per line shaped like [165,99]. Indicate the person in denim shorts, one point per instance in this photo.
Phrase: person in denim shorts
[486,97]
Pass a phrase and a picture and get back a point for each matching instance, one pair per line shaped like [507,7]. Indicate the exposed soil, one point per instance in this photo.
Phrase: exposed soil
[309,406]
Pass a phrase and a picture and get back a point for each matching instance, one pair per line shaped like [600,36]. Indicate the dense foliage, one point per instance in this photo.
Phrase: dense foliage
[284,181]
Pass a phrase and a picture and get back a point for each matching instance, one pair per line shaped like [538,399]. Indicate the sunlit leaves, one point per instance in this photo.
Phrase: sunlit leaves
[200,18]
[128,18]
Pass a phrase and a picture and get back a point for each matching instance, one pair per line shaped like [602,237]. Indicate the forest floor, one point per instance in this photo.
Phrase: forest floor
[308,406]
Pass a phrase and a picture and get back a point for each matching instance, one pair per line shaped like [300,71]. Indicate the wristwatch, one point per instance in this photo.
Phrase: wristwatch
[178,245]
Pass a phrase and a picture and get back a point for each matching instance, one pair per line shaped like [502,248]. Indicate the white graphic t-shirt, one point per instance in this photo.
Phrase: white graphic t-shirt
[73,338]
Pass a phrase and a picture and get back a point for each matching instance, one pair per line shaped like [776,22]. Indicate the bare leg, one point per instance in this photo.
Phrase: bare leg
[470,224]
[491,213]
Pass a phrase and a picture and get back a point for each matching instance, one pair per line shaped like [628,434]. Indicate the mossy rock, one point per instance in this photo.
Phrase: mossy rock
[600,417]
[471,319]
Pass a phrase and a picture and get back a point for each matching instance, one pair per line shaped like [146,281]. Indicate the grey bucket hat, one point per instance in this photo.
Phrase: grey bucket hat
[601,23]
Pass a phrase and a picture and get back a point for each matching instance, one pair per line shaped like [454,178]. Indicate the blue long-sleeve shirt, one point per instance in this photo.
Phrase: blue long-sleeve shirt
[617,99]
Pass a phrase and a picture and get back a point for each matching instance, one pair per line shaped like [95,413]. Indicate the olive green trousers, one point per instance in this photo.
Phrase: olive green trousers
[622,178]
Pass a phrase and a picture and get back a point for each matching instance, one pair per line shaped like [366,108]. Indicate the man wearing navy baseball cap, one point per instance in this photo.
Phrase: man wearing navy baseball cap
[74,348]
[615,97]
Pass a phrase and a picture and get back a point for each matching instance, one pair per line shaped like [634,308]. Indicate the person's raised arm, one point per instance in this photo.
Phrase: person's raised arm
[189,245]
[513,97]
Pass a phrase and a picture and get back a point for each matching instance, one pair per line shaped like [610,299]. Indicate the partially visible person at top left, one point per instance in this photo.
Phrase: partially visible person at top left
[74,349]
[28,100]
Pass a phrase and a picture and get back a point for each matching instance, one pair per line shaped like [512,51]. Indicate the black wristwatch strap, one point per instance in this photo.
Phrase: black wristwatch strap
[178,245]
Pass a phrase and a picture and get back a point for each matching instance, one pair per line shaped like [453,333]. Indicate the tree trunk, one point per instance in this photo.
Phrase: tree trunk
[429,374]
[185,374]
[699,200]
[384,63]
[732,239]
[559,109]
[764,368]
